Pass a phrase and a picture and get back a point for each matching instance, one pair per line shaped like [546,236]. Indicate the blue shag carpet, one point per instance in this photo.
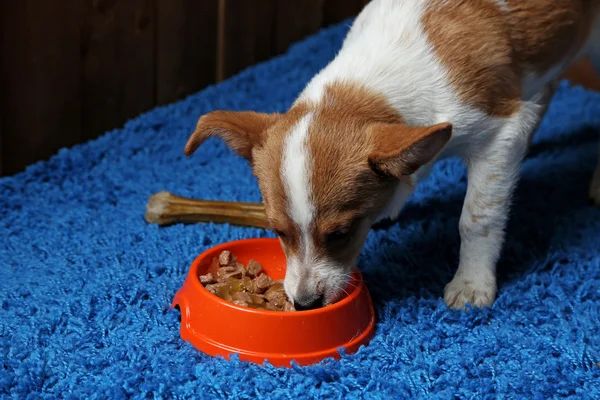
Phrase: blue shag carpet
[85,283]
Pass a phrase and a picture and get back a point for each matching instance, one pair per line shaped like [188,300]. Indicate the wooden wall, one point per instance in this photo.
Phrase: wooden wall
[72,69]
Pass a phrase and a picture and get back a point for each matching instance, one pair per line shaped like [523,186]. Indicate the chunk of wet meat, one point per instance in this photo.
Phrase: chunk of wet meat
[242,299]
[257,299]
[242,296]
[276,294]
[220,289]
[276,287]
[272,307]
[254,269]
[279,299]
[246,286]
[225,273]
[226,258]
[207,279]
[262,283]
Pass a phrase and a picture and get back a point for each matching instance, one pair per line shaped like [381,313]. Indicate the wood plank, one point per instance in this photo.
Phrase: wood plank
[186,52]
[335,11]
[118,63]
[246,34]
[295,21]
[40,79]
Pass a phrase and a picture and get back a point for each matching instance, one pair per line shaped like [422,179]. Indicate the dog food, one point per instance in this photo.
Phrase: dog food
[246,286]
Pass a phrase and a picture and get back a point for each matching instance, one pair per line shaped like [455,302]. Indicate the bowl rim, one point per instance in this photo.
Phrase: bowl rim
[352,295]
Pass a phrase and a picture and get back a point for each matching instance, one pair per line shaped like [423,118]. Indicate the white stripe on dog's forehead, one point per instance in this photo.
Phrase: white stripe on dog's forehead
[296,173]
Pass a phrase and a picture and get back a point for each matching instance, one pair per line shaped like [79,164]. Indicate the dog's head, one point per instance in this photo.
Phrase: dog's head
[326,171]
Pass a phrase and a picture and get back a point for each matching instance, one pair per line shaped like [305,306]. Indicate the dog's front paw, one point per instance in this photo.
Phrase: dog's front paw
[478,293]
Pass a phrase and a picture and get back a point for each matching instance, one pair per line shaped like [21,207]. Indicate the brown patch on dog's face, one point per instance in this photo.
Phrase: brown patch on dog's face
[347,194]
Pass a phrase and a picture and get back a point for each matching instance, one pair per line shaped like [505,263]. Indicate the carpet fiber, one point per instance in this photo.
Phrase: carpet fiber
[85,283]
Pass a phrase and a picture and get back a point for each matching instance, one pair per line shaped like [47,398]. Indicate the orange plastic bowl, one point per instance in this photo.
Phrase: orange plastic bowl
[217,327]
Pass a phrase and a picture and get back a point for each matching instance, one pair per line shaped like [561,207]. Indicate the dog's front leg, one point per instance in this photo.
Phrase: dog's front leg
[493,170]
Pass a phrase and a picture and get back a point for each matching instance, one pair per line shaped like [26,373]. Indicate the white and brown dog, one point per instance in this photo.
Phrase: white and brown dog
[415,81]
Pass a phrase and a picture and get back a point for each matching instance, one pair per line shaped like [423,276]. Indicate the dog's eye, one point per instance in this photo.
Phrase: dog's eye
[337,238]
[281,234]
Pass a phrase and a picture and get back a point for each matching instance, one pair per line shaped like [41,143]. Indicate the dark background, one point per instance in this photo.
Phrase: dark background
[73,69]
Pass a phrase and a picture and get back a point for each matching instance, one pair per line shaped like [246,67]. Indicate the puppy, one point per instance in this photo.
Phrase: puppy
[415,81]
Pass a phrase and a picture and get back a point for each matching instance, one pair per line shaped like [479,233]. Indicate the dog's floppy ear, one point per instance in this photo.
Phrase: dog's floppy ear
[241,130]
[399,150]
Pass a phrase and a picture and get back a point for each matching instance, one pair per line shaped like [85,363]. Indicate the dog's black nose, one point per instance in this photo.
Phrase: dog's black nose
[301,305]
